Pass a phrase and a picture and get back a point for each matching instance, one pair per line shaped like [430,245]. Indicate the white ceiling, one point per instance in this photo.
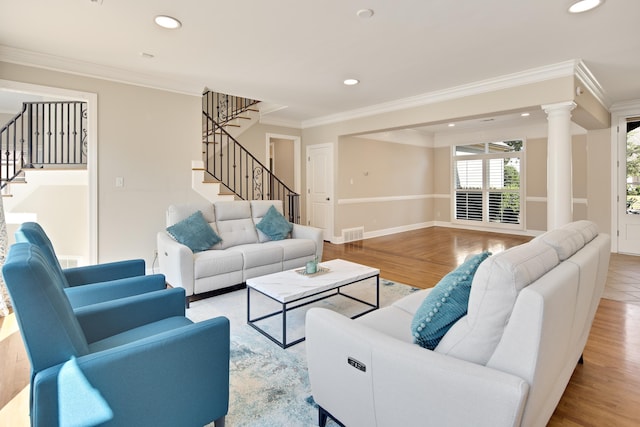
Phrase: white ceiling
[296,53]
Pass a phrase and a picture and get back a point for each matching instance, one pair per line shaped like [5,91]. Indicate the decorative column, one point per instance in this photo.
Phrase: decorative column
[559,184]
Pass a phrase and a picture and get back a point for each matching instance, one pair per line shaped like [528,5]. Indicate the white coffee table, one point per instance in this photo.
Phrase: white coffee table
[293,290]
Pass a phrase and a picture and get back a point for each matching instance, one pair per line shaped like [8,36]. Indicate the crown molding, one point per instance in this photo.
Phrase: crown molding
[590,82]
[103,72]
[631,107]
[534,75]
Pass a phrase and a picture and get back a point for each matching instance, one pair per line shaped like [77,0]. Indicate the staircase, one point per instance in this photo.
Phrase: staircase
[43,134]
[227,163]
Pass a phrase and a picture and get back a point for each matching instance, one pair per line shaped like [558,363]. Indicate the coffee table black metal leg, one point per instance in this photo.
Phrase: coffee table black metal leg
[284,325]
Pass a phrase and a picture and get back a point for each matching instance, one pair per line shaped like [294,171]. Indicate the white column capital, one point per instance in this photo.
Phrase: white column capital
[560,107]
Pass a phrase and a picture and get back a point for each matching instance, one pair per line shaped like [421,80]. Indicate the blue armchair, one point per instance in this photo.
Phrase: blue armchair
[135,361]
[95,283]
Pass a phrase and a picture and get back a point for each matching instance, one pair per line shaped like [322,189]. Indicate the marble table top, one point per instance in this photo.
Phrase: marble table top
[290,285]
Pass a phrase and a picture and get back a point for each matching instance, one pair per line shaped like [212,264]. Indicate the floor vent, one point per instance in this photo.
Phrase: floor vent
[353,234]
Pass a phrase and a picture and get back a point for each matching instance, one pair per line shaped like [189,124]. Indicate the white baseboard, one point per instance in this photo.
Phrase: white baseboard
[394,230]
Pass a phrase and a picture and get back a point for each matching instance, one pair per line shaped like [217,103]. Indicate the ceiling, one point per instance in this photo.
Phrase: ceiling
[295,54]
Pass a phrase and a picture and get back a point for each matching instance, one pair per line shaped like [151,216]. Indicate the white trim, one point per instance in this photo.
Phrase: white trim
[540,199]
[535,199]
[384,199]
[549,72]
[297,184]
[446,224]
[387,231]
[588,79]
[619,114]
[103,72]
[92,145]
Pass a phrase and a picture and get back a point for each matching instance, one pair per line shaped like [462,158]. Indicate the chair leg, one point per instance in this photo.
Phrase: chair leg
[219,422]
[322,416]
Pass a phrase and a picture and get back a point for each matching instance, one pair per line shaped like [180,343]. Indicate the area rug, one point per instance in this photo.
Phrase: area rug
[269,386]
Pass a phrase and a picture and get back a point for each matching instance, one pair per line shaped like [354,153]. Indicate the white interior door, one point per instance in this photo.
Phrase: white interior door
[320,188]
[629,185]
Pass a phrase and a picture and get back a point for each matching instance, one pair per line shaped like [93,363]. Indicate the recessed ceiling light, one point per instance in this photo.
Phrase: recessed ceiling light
[364,13]
[525,114]
[451,125]
[584,5]
[168,22]
[147,55]
[351,82]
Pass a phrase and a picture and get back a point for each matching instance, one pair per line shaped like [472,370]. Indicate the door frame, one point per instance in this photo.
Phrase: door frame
[296,156]
[92,145]
[330,220]
[619,115]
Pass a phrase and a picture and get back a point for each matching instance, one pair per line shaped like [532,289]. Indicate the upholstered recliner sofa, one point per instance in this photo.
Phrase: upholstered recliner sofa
[243,251]
[506,362]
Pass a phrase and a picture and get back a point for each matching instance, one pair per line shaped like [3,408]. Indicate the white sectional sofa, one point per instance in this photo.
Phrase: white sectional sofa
[506,362]
[244,251]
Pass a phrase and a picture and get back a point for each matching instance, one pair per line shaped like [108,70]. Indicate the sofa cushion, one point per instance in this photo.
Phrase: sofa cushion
[295,248]
[258,254]
[494,290]
[588,229]
[445,304]
[194,232]
[214,263]
[234,223]
[566,242]
[274,225]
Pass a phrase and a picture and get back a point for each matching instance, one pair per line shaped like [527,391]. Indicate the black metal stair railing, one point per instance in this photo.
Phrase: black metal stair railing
[227,161]
[43,133]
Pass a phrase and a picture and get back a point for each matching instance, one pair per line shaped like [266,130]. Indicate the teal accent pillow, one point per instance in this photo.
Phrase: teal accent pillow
[194,232]
[274,225]
[446,303]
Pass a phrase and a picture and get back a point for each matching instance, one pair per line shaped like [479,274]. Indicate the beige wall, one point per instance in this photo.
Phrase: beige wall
[146,136]
[149,137]
[66,226]
[382,185]
[598,178]
[283,154]
[588,112]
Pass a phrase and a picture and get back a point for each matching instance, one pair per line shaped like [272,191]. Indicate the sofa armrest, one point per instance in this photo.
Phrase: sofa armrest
[400,383]
[178,377]
[176,262]
[105,319]
[104,272]
[307,232]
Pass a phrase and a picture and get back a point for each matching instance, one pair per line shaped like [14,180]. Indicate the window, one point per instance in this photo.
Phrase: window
[487,182]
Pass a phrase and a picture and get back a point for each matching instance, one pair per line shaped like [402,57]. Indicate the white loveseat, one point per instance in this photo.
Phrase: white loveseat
[243,253]
[506,362]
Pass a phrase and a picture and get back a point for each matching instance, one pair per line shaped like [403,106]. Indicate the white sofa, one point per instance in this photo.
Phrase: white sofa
[243,253]
[506,362]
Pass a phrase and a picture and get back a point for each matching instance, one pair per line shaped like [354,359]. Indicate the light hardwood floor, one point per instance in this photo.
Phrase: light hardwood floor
[604,391]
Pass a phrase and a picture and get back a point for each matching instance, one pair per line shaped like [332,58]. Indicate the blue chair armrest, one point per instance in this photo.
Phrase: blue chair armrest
[176,378]
[105,291]
[104,272]
[99,321]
